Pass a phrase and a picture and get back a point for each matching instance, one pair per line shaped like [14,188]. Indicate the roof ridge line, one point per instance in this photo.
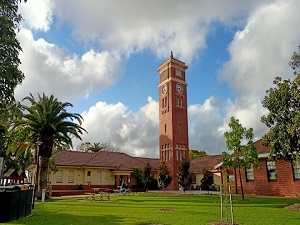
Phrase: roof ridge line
[96,153]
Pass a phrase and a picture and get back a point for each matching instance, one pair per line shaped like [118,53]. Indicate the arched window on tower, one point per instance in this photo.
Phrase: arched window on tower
[179,128]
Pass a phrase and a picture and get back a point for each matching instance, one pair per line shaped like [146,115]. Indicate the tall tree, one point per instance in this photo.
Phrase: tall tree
[184,177]
[10,74]
[143,175]
[283,119]
[164,178]
[50,124]
[195,154]
[243,155]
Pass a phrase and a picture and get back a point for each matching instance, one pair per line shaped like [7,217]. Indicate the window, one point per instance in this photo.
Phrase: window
[106,175]
[88,179]
[271,167]
[179,101]
[230,178]
[71,177]
[164,73]
[59,176]
[249,173]
[178,73]
[296,169]
[99,173]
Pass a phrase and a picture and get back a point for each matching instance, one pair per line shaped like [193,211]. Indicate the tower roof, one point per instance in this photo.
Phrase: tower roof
[172,62]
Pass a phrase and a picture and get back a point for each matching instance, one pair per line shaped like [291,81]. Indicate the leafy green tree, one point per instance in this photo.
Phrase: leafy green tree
[164,178]
[15,150]
[283,119]
[10,74]
[137,173]
[295,62]
[195,154]
[49,124]
[19,149]
[143,175]
[242,155]
[207,180]
[184,177]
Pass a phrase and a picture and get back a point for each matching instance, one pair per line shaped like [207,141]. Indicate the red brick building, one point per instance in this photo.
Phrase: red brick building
[272,178]
[173,120]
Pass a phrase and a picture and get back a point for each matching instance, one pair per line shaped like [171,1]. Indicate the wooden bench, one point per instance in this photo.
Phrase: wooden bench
[92,195]
[104,194]
[117,191]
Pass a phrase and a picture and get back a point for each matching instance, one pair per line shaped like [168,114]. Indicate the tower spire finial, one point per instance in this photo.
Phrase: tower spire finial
[171,54]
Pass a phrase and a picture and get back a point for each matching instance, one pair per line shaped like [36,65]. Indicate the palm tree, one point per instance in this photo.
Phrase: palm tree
[95,147]
[50,124]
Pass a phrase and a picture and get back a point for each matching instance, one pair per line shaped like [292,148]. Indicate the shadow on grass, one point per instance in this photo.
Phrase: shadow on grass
[62,218]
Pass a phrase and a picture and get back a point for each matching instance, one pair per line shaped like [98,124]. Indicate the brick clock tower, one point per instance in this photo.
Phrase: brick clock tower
[173,119]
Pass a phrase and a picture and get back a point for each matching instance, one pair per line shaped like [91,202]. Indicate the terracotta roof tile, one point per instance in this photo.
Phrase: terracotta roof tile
[154,162]
[112,160]
[200,164]
[261,149]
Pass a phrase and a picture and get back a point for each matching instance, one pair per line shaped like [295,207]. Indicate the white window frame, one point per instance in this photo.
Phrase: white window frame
[99,177]
[59,176]
[250,173]
[106,175]
[71,177]
[271,169]
[296,170]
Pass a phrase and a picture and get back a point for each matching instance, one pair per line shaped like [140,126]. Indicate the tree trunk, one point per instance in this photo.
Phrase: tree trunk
[43,174]
[242,189]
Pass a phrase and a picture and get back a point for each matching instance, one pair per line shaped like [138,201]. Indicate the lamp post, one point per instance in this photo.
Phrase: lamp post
[38,143]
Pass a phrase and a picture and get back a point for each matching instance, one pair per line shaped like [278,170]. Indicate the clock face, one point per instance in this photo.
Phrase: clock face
[179,88]
[164,89]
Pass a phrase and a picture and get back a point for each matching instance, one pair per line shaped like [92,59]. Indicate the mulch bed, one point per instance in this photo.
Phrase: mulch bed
[295,207]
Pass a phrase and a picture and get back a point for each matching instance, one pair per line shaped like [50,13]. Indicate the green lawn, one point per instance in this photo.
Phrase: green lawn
[143,209]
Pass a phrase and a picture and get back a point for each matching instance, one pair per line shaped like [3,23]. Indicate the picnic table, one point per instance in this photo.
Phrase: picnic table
[101,192]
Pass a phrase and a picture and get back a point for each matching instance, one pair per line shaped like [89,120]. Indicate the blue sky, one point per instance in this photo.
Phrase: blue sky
[102,56]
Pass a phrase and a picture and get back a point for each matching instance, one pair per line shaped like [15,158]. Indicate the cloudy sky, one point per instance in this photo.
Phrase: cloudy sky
[102,56]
